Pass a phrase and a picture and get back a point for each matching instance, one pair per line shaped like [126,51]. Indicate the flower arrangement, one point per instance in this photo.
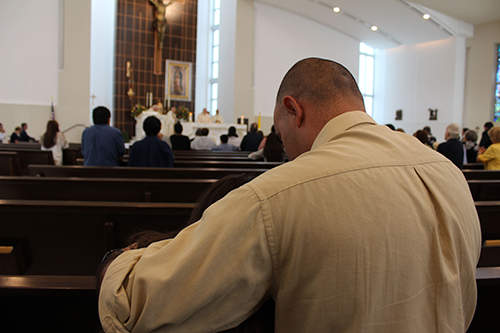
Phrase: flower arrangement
[182,113]
[137,110]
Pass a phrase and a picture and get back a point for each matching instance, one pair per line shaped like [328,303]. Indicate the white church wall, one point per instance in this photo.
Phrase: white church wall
[28,63]
[281,39]
[418,77]
[30,70]
[480,74]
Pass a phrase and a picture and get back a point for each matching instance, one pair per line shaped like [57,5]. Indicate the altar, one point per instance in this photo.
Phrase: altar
[215,130]
[188,128]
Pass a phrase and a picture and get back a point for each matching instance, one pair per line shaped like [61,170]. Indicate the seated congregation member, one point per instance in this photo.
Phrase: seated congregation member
[102,145]
[224,146]
[345,237]
[151,151]
[491,156]
[452,148]
[233,138]
[470,146]
[421,135]
[252,140]
[485,138]
[54,141]
[24,135]
[2,133]
[14,137]
[203,142]
[179,141]
[431,139]
[273,149]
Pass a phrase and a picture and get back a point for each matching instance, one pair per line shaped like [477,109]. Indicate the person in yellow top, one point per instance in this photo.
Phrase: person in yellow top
[491,156]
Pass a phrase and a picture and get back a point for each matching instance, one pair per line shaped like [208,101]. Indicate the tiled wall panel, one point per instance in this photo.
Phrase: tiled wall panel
[135,41]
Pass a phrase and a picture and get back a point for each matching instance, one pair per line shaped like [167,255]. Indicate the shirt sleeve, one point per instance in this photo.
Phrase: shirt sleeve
[210,277]
[488,155]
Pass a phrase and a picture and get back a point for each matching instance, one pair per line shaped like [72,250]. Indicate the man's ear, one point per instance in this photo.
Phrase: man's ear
[295,109]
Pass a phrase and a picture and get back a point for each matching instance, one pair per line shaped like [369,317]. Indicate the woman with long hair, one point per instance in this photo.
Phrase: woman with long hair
[55,141]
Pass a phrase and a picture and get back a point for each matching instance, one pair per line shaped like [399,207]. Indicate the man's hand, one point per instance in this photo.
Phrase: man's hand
[159,136]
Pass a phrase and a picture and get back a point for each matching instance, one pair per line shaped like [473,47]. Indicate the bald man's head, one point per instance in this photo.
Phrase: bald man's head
[327,84]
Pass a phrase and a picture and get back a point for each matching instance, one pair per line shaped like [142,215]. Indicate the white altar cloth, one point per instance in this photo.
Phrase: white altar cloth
[188,128]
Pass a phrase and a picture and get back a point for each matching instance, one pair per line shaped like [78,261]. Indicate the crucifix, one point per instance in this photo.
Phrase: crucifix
[93,97]
[160,25]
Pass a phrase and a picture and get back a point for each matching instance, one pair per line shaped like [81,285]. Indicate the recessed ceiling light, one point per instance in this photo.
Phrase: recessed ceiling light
[426,16]
[336,9]
[374,28]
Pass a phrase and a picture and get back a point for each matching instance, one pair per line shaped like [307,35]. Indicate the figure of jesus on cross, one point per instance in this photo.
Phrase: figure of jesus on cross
[161,20]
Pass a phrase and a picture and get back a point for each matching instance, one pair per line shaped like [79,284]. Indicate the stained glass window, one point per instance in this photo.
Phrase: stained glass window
[497,89]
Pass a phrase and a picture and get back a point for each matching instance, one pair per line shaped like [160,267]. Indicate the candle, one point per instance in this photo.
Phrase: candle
[190,117]
[151,99]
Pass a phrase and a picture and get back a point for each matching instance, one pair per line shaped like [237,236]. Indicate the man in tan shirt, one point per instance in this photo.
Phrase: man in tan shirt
[364,230]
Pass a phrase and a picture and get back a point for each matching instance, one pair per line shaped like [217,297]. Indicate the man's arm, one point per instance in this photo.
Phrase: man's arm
[210,277]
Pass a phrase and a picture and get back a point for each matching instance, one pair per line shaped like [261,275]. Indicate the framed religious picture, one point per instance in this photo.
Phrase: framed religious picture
[178,80]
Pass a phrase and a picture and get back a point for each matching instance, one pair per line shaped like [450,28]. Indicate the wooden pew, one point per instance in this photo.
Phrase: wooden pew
[484,190]
[101,189]
[21,146]
[488,271]
[70,237]
[10,164]
[66,242]
[225,164]
[213,158]
[135,172]
[31,156]
[473,166]
[195,153]
[481,174]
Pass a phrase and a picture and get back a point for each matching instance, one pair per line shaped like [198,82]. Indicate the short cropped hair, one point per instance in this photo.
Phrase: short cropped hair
[100,115]
[254,127]
[204,131]
[224,138]
[488,125]
[178,128]
[494,134]
[151,125]
[453,130]
[323,82]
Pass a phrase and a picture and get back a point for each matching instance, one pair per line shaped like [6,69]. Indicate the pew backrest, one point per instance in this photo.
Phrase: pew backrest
[103,189]
[135,172]
[481,174]
[484,190]
[10,164]
[70,238]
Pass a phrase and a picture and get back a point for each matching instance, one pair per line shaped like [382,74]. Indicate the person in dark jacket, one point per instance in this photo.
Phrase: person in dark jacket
[252,140]
[485,138]
[452,148]
[151,151]
[179,141]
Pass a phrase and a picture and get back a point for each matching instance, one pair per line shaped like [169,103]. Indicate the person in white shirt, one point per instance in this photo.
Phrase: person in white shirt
[203,142]
[55,141]
[204,117]
[217,119]
[2,133]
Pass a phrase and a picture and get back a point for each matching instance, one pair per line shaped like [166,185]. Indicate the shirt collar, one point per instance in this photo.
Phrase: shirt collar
[340,124]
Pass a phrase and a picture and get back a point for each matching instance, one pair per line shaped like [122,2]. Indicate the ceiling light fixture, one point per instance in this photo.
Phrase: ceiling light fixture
[426,16]
[336,9]
[374,28]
